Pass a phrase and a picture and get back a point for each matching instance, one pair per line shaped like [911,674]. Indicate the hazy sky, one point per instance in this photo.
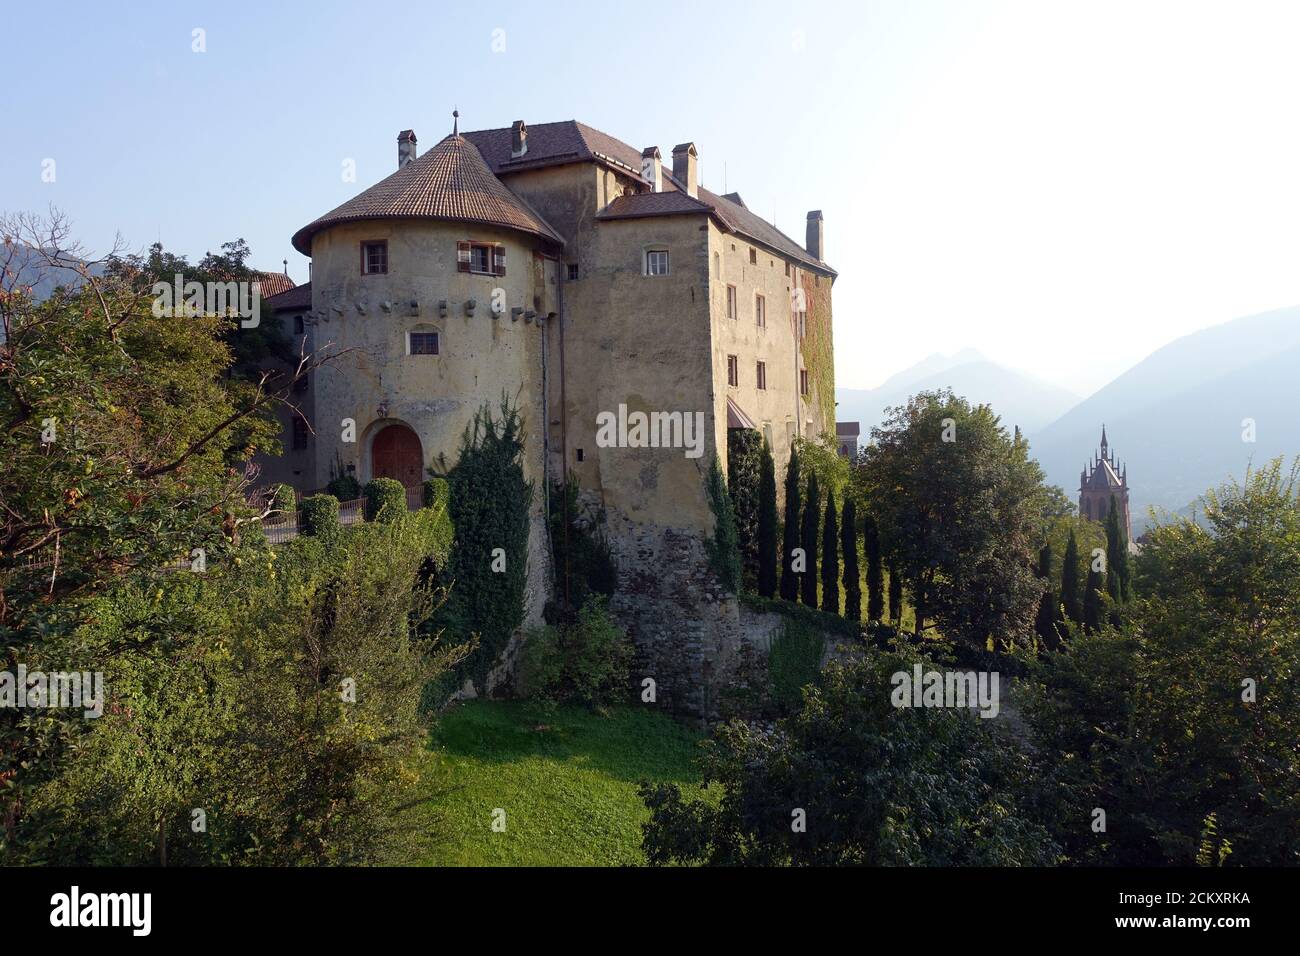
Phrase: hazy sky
[1065,186]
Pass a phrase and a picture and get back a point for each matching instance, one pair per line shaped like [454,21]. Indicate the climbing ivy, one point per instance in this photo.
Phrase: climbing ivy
[817,347]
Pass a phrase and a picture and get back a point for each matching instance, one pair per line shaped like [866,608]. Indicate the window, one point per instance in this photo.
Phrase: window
[803,381]
[760,311]
[762,375]
[733,371]
[717,266]
[374,258]
[803,324]
[297,325]
[733,310]
[753,257]
[579,454]
[481,258]
[422,343]
[573,272]
[787,270]
[299,433]
[656,262]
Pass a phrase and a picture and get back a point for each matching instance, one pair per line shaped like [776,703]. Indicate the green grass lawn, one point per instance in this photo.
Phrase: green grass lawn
[566,779]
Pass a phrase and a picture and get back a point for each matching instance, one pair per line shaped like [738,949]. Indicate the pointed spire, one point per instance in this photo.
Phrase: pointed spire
[1103,440]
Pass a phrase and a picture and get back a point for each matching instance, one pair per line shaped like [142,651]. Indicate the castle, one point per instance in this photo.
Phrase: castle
[1101,480]
[582,278]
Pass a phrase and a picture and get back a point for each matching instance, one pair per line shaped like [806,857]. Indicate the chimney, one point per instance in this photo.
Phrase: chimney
[652,168]
[518,139]
[815,243]
[684,161]
[405,147]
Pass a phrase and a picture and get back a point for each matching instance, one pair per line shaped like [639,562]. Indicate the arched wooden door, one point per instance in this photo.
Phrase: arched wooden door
[396,453]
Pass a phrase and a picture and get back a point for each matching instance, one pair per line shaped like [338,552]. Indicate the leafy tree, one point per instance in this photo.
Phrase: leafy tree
[1092,600]
[767,518]
[1070,603]
[957,502]
[724,552]
[808,541]
[1192,708]
[876,786]
[875,570]
[895,596]
[849,546]
[790,530]
[820,456]
[830,557]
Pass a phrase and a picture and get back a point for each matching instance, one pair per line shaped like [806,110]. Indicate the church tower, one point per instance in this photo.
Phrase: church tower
[1099,482]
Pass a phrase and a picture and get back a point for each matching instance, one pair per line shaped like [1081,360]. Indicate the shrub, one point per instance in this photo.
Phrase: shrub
[285,501]
[437,493]
[744,463]
[724,553]
[583,562]
[344,488]
[320,516]
[385,499]
[793,663]
[585,661]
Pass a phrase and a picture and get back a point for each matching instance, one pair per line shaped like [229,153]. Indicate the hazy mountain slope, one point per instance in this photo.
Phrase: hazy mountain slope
[1018,398]
[1176,417]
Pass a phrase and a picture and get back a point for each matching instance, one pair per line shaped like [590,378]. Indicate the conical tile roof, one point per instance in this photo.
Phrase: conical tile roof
[450,182]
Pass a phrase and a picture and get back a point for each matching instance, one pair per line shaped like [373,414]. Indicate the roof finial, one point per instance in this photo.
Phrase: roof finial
[286,266]
[455,122]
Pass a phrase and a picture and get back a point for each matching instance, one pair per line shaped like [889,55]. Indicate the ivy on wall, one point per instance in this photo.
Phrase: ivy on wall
[818,349]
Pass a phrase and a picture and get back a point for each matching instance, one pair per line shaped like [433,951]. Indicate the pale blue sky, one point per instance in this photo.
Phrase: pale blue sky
[1065,186]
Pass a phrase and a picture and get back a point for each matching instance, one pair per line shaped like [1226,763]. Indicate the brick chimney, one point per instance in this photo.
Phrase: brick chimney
[518,139]
[685,158]
[405,147]
[652,168]
[816,238]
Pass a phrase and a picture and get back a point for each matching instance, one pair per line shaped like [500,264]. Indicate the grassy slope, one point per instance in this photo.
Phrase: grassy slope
[566,779]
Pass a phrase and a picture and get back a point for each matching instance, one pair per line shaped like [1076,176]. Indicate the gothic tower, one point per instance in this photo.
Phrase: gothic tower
[1101,481]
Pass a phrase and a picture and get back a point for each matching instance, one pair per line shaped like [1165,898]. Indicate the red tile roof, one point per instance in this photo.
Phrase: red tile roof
[450,182]
[299,297]
[273,283]
[640,205]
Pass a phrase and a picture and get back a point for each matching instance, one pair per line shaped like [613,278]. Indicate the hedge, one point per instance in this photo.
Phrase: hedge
[385,499]
[320,516]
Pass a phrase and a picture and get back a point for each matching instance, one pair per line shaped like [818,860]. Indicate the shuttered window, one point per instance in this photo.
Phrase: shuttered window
[481,258]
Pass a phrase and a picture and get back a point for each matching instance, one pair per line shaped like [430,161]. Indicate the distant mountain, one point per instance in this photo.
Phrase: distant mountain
[1176,417]
[1020,399]
[31,269]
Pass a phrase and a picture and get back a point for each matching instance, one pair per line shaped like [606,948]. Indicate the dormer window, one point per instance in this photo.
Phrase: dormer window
[374,258]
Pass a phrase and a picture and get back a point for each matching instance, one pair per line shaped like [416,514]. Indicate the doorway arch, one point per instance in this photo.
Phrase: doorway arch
[396,452]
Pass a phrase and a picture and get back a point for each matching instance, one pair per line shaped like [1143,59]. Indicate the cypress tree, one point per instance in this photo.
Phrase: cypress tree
[1045,623]
[831,556]
[766,523]
[875,571]
[1070,581]
[808,541]
[895,597]
[1117,570]
[790,533]
[1092,601]
[849,546]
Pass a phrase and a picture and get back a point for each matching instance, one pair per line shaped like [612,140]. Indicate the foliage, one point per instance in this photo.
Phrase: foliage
[830,566]
[877,785]
[344,488]
[1192,708]
[723,550]
[1045,622]
[291,721]
[1117,568]
[767,519]
[584,662]
[1092,610]
[793,662]
[790,529]
[895,596]
[1071,605]
[582,558]
[820,456]
[808,541]
[385,499]
[801,613]
[744,465]
[875,570]
[284,500]
[490,504]
[849,548]
[320,516]
[937,459]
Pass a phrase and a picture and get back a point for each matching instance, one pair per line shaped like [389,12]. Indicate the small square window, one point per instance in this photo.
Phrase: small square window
[760,311]
[573,272]
[803,381]
[753,257]
[423,343]
[656,262]
[762,375]
[733,310]
[374,258]
[733,371]
[480,259]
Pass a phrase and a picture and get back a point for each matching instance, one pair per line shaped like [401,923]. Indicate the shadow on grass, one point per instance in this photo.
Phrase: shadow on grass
[629,743]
